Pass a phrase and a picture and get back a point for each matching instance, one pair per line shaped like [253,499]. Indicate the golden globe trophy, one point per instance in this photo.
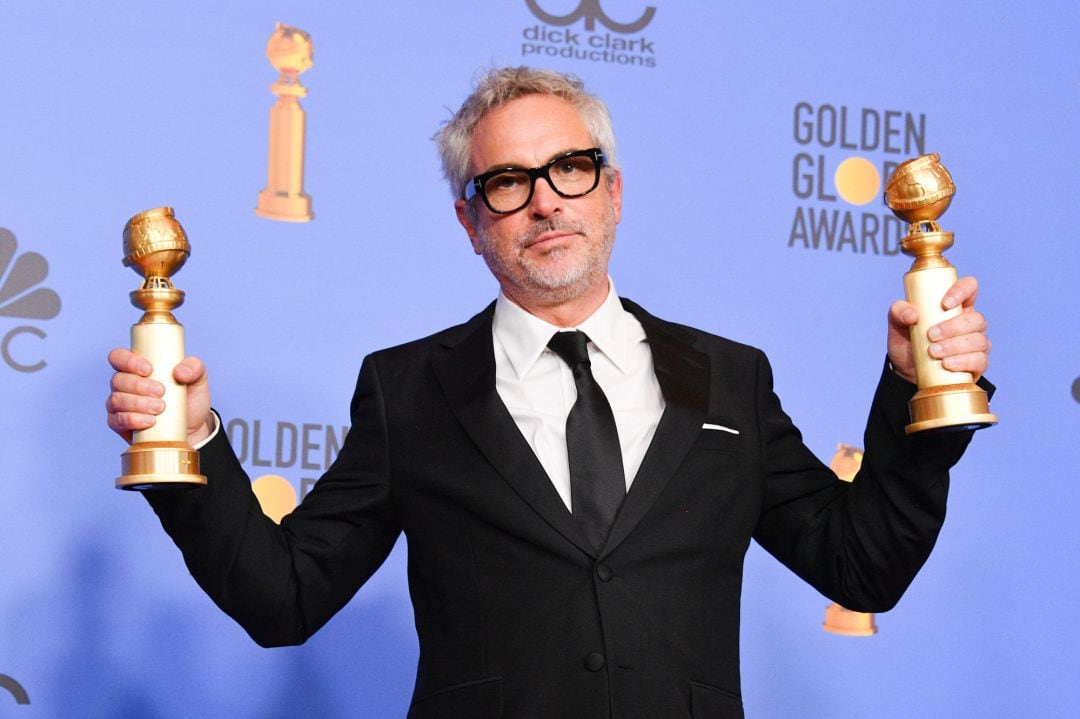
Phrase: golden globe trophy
[918,192]
[289,51]
[156,247]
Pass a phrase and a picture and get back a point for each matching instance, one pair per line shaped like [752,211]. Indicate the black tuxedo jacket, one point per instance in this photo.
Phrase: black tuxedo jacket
[517,615]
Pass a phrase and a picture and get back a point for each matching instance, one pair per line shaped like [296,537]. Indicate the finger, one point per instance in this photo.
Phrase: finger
[190,371]
[960,346]
[124,423]
[124,402]
[903,314]
[962,293]
[898,341]
[126,434]
[134,384]
[124,360]
[972,322]
[975,362]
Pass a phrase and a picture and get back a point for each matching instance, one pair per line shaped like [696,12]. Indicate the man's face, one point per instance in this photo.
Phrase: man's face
[554,249]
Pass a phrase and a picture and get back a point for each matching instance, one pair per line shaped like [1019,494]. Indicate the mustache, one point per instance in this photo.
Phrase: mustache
[551,224]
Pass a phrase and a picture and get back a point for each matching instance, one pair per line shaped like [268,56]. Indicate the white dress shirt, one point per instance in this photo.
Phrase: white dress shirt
[538,387]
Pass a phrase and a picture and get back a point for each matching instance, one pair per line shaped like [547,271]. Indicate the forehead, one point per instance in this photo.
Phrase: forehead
[527,131]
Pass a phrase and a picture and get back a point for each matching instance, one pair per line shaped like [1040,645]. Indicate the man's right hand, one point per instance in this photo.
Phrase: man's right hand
[135,400]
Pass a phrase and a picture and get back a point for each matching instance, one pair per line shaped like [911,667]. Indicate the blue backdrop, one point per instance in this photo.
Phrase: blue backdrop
[733,120]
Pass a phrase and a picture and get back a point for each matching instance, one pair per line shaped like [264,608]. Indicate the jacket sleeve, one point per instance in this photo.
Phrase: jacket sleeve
[281,583]
[859,543]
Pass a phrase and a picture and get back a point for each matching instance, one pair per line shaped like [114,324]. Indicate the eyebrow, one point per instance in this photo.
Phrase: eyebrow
[504,166]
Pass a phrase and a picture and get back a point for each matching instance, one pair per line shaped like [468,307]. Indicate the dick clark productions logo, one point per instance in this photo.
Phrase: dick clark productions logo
[21,298]
[555,38]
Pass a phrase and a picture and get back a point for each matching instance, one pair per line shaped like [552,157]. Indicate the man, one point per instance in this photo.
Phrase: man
[538,590]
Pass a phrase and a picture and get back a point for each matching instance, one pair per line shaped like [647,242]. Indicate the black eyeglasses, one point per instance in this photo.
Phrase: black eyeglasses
[508,190]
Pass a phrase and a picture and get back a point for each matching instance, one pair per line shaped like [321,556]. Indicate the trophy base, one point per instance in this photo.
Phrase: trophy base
[848,623]
[284,206]
[951,407]
[160,465]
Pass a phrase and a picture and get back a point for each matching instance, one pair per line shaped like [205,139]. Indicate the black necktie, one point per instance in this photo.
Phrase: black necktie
[597,481]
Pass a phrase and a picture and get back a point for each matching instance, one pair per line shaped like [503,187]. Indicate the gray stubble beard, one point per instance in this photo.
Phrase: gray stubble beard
[547,284]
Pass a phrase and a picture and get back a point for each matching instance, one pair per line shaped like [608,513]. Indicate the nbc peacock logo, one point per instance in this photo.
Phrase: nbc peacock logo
[21,298]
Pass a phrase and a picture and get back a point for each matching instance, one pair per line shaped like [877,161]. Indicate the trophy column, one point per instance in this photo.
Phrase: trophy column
[919,191]
[156,246]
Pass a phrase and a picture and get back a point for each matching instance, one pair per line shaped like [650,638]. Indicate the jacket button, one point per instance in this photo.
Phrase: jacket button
[604,572]
[594,662]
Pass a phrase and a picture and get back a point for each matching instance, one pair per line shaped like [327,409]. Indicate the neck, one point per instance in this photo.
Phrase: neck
[562,312]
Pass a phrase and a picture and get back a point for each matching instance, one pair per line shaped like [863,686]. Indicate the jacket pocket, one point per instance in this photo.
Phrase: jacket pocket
[707,702]
[717,439]
[481,699]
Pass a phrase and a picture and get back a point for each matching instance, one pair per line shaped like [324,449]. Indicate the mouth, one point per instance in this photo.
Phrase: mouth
[548,239]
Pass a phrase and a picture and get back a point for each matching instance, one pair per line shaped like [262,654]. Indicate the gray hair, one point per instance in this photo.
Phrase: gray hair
[498,87]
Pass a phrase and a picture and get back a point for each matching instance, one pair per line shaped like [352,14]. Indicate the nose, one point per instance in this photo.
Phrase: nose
[545,201]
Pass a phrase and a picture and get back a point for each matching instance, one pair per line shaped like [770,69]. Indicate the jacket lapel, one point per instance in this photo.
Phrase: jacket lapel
[684,376]
[466,371]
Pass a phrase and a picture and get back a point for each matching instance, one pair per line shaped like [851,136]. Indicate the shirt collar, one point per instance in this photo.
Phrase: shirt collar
[524,336]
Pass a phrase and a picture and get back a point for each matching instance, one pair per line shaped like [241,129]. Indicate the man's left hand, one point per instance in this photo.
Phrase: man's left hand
[960,342]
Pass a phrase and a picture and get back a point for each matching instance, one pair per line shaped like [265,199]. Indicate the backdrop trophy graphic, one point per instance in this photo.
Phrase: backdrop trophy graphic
[156,247]
[839,619]
[918,192]
[289,51]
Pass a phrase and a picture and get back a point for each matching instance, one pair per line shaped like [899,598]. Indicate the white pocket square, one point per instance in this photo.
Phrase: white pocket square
[719,427]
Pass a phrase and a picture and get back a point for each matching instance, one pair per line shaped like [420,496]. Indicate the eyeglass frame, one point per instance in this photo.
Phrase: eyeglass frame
[476,185]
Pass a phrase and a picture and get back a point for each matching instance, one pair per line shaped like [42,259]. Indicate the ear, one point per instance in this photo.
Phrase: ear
[614,191]
[461,207]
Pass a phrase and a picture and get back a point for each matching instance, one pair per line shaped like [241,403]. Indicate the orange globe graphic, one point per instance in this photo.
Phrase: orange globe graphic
[275,494]
[857,180]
